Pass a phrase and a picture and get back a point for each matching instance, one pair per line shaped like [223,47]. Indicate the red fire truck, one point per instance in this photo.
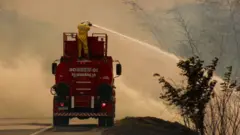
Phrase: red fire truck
[84,88]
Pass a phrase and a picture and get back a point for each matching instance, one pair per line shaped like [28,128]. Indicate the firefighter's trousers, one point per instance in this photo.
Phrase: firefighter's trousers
[83,44]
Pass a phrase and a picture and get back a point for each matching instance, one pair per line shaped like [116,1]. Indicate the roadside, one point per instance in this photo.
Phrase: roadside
[147,126]
[14,126]
[126,126]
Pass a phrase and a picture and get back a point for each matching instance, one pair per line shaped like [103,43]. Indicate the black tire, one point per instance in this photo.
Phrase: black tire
[101,122]
[106,122]
[110,121]
[60,121]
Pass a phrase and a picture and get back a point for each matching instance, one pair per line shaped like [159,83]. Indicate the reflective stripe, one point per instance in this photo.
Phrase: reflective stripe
[72,102]
[92,102]
[83,88]
[83,82]
[80,114]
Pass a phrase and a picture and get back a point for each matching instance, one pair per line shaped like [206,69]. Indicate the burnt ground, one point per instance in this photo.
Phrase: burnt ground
[147,126]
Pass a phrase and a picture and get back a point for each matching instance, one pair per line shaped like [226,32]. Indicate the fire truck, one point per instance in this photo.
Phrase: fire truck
[84,87]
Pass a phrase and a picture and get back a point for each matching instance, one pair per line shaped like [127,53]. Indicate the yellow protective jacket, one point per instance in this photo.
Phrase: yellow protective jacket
[82,36]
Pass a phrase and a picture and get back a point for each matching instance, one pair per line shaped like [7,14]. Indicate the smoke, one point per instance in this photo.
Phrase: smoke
[213,26]
[31,39]
[27,48]
[23,89]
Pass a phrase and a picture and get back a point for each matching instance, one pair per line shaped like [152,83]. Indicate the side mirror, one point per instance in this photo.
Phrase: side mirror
[54,67]
[118,69]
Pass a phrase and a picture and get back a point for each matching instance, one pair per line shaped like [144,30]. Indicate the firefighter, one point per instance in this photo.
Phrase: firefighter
[82,37]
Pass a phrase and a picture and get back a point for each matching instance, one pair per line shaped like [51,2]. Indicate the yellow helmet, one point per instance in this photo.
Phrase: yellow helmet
[87,22]
[83,27]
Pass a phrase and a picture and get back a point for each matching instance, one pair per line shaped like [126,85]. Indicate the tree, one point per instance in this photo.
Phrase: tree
[224,108]
[193,98]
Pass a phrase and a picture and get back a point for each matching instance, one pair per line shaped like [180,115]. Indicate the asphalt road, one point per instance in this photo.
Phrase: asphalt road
[43,127]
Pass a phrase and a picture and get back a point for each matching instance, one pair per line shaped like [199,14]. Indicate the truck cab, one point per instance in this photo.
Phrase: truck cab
[84,87]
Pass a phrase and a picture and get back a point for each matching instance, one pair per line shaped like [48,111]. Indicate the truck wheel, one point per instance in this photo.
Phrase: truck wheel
[60,121]
[110,121]
[106,122]
[101,122]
